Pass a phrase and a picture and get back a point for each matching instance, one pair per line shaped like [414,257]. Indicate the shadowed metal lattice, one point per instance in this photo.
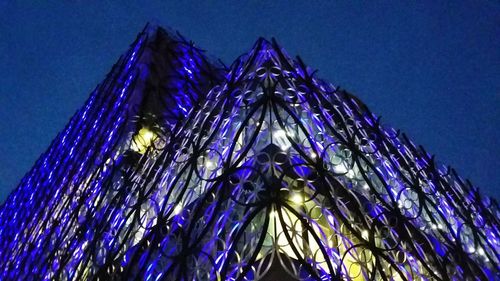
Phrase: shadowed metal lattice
[180,169]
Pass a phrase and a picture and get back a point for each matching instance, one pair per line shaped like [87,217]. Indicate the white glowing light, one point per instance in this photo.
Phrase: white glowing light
[330,219]
[209,164]
[350,174]
[340,169]
[177,209]
[481,251]
[281,139]
[313,155]
[280,133]
[365,234]
[400,204]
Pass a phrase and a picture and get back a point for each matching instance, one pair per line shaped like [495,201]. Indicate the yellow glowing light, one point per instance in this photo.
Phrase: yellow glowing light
[142,140]
[273,214]
[297,198]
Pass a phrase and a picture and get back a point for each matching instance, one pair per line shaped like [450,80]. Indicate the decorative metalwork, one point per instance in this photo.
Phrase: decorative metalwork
[256,172]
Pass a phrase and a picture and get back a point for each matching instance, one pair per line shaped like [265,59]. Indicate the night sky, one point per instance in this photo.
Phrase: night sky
[431,70]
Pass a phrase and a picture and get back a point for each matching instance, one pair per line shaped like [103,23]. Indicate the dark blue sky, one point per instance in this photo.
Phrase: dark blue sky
[430,69]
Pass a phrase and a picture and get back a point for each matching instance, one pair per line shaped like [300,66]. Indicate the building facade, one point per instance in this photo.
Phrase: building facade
[179,168]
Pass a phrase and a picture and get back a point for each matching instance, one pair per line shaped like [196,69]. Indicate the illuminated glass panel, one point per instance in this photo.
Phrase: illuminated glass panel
[143,140]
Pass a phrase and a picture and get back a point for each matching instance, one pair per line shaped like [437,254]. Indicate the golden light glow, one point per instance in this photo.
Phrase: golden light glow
[356,263]
[143,140]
